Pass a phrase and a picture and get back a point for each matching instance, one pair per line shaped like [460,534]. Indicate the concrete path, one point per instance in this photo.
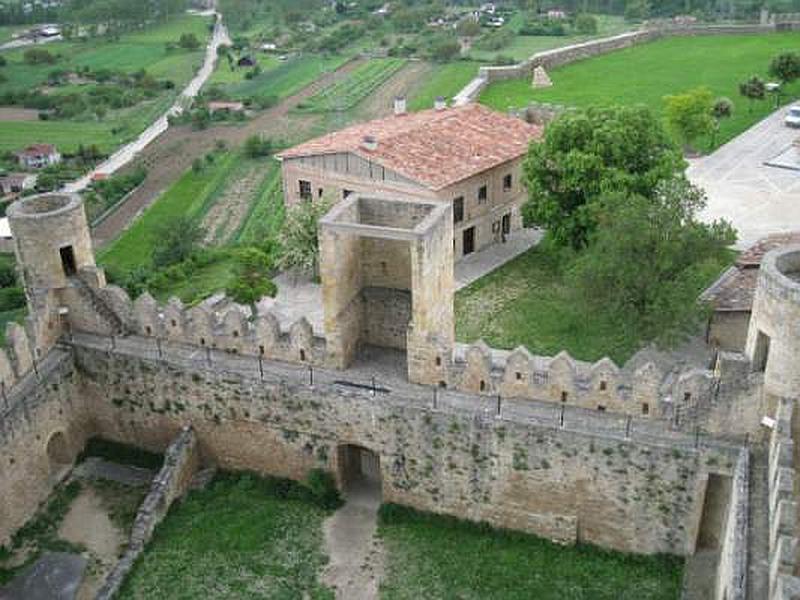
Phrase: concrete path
[356,555]
[55,576]
[127,153]
[756,198]
[298,296]
[97,468]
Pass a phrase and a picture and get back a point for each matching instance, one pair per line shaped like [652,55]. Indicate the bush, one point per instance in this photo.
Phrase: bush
[545,26]
[256,146]
[189,41]
[39,56]
[322,486]
[11,298]
[586,24]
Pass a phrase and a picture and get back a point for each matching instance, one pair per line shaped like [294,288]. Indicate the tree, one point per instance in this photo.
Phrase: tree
[444,49]
[722,109]
[189,41]
[785,67]
[299,239]
[256,146]
[690,114]
[252,280]
[177,240]
[753,89]
[586,24]
[468,28]
[586,154]
[637,10]
[650,257]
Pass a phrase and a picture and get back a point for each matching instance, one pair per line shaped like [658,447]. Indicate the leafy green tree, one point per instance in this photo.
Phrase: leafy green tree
[444,48]
[722,109]
[785,67]
[256,146]
[252,280]
[189,41]
[650,257]
[690,115]
[587,154]
[39,56]
[586,24]
[468,28]
[299,238]
[178,238]
[753,89]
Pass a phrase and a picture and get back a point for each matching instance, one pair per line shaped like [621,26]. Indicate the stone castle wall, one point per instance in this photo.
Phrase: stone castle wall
[44,424]
[582,481]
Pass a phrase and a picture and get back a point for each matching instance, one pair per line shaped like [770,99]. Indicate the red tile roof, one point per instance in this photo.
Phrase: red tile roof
[437,148]
[39,150]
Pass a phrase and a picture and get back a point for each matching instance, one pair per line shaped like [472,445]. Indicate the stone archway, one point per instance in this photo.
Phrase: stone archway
[359,470]
[58,453]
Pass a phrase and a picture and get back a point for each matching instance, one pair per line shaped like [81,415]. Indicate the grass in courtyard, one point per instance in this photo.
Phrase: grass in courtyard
[435,557]
[528,302]
[446,80]
[242,537]
[122,454]
[190,196]
[645,74]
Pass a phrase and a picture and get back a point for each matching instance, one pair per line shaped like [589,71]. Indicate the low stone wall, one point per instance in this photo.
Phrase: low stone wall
[180,463]
[783,541]
[732,569]
[557,57]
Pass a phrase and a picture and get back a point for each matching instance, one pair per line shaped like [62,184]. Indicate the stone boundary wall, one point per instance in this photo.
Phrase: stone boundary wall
[783,583]
[568,54]
[180,463]
[636,390]
[732,569]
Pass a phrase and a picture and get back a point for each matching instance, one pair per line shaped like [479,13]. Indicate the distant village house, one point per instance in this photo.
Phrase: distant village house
[39,156]
[469,156]
[225,106]
[16,183]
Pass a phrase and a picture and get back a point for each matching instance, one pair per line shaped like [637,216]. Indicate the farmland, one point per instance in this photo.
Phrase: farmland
[142,50]
[347,92]
[645,74]
[446,80]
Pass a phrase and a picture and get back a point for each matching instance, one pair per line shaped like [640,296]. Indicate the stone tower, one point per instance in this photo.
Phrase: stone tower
[773,339]
[387,281]
[55,259]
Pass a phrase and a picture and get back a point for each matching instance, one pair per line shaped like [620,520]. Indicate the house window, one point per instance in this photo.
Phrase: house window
[564,396]
[458,209]
[645,408]
[305,189]
[483,194]
[603,386]
[507,182]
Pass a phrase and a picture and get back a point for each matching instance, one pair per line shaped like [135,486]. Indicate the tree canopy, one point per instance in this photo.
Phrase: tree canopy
[690,115]
[591,153]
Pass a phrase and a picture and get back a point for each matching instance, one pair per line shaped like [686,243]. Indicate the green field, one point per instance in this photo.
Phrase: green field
[523,46]
[446,80]
[646,73]
[241,537]
[190,196]
[529,302]
[267,210]
[288,78]
[134,51]
[437,558]
[353,87]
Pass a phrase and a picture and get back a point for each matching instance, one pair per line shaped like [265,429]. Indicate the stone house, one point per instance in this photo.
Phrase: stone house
[731,296]
[467,156]
[15,183]
[39,156]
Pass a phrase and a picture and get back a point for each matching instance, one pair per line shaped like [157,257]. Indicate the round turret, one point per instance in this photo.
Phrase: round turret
[773,340]
[51,239]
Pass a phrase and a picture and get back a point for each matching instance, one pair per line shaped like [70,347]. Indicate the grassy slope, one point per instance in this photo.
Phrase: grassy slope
[527,302]
[140,50]
[436,557]
[189,196]
[288,78]
[267,210]
[446,80]
[233,540]
[351,89]
[647,73]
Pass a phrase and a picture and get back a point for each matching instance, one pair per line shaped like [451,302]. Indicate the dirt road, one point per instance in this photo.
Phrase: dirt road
[174,151]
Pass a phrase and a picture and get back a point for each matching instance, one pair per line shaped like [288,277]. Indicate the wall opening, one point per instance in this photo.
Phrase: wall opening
[761,354]
[58,453]
[715,511]
[359,471]
[68,262]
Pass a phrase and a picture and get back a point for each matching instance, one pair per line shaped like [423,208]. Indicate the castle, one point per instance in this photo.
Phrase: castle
[633,458]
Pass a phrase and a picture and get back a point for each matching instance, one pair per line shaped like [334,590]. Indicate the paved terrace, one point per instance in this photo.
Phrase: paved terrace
[379,375]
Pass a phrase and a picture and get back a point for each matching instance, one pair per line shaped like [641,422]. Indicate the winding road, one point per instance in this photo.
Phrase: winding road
[128,152]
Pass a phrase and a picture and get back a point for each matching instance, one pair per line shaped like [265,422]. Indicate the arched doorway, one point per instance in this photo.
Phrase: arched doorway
[58,453]
[359,471]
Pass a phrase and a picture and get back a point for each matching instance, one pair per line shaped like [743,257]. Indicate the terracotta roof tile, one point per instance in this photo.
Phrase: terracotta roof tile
[753,255]
[434,147]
